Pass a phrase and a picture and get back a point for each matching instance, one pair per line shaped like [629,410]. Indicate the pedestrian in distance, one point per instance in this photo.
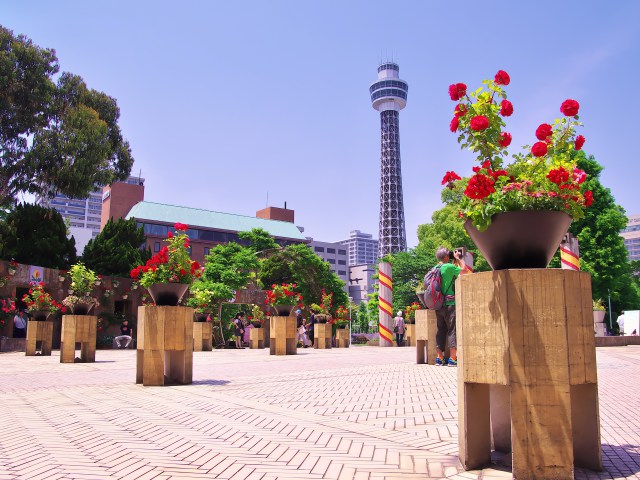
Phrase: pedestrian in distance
[20,324]
[125,335]
[399,329]
[238,323]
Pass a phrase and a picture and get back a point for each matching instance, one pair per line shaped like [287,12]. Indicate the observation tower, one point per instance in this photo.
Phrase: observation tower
[389,96]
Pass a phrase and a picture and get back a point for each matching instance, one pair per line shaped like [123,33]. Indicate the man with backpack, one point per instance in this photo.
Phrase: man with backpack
[443,300]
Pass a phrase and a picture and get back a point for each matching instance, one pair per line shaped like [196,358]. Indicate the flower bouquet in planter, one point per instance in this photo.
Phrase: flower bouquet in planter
[168,274]
[206,296]
[12,268]
[517,213]
[79,300]
[323,310]
[7,310]
[410,312]
[342,317]
[257,317]
[39,303]
[283,298]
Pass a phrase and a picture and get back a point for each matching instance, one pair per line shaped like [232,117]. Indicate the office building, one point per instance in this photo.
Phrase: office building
[631,235]
[362,248]
[361,283]
[389,96]
[336,255]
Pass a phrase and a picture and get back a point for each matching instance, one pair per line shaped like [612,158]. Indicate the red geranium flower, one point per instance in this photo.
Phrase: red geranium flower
[450,177]
[461,110]
[588,198]
[479,123]
[569,108]
[453,126]
[506,108]
[479,187]
[181,226]
[579,176]
[502,78]
[558,175]
[457,91]
[505,139]
[539,149]
[579,142]
[544,131]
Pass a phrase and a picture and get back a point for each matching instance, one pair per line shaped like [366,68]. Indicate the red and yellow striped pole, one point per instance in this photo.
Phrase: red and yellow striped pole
[385,299]
[570,253]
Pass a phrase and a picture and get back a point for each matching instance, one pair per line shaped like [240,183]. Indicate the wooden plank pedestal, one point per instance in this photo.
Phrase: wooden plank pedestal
[425,333]
[78,329]
[527,371]
[283,334]
[165,346]
[39,332]
[343,337]
[202,337]
[410,335]
[256,338]
[322,336]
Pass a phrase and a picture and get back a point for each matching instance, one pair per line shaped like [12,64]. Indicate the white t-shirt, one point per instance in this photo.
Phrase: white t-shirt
[20,322]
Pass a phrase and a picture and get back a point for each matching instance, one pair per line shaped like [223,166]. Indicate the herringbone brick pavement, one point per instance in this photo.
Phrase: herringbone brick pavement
[362,413]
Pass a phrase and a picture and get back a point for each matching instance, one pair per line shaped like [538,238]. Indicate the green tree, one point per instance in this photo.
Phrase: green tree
[362,317]
[117,248]
[298,264]
[602,250]
[54,137]
[36,235]
[258,240]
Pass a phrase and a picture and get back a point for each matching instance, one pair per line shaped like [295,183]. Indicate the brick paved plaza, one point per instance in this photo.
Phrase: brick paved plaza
[361,413]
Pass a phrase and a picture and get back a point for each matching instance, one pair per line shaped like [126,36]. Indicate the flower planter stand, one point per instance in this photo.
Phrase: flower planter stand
[426,327]
[202,337]
[527,371]
[165,346]
[39,331]
[343,338]
[256,338]
[410,335]
[322,338]
[78,329]
[283,338]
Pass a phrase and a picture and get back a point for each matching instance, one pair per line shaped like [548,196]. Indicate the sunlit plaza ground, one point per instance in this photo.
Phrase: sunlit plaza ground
[358,413]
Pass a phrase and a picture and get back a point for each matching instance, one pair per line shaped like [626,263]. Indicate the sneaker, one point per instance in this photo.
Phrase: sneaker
[452,362]
[439,361]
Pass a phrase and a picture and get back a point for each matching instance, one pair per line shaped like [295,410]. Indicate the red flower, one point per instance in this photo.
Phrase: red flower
[461,110]
[450,177]
[453,126]
[579,142]
[558,175]
[588,198]
[569,108]
[506,108]
[194,266]
[544,131]
[505,139]
[502,78]
[183,272]
[539,149]
[479,187]
[499,173]
[457,91]
[479,123]
[181,226]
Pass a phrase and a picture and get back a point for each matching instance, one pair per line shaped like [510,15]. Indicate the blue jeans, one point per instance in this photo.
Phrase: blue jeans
[399,339]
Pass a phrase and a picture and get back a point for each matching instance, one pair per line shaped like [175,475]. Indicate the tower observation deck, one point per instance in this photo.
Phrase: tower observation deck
[389,96]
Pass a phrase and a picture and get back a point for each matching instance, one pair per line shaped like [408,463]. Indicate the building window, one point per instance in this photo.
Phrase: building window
[156,247]
[319,249]
[331,250]
[341,272]
[206,250]
[331,261]
[342,262]
[342,252]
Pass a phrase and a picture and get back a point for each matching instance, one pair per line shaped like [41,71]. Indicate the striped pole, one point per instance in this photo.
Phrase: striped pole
[385,299]
[570,253]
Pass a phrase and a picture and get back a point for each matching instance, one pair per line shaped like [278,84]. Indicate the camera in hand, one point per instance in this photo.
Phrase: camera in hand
[460,251]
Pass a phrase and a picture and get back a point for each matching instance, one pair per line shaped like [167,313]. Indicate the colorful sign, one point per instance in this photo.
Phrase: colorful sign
[36,274]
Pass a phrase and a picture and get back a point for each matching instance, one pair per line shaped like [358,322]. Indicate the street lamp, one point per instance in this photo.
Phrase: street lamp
[610,322]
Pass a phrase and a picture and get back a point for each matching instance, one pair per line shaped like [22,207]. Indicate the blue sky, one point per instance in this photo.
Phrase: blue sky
[226,103]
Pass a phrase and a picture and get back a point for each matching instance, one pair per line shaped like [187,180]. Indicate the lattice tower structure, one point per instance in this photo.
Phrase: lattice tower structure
[389,96]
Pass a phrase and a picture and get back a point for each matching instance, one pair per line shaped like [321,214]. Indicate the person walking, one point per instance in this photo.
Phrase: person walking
[310,330]
[446,316]
[238,321]
[20,324]
[399,329]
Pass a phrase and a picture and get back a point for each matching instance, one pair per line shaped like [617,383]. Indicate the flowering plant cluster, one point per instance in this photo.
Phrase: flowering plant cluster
[284,294]
[82,280]
[410,311]
[546,177]
[342,313]
[4,280]
[39,300]
[257,316]
[204,295]
[13,267]
[326,304]
[171,264]
[7,310]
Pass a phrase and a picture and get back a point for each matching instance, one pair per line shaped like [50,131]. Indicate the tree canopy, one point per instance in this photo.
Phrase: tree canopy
[54,136]
[35,235]
[117,248]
